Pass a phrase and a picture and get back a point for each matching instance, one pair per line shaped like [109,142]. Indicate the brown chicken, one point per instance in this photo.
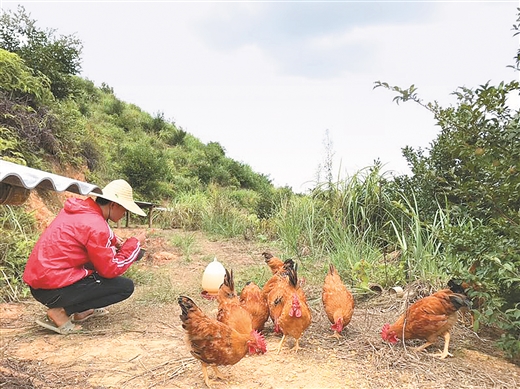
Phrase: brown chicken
[296,315]
[214,343]
[230,311]
[337,301]
[274,291]
[255,302]
[276,297]
[428,318]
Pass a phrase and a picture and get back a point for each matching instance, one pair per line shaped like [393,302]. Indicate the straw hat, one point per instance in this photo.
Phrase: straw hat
[120,191]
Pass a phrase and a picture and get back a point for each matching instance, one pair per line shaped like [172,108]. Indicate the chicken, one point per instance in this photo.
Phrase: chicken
[274,292]
[255,302]
[337,301]
[276,297]
[296,315]
[230,311]
[274,263]
[428,318]
[214,343]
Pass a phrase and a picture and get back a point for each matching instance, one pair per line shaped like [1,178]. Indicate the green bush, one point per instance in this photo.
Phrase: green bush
[22,81]
[144,166]
[473,169]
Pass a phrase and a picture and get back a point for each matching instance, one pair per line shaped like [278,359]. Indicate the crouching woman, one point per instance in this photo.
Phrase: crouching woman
[76,265]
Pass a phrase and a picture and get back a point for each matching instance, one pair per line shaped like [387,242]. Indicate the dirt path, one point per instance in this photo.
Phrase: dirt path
[140,344]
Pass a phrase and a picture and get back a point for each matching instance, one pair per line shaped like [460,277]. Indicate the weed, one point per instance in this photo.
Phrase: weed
[187,243]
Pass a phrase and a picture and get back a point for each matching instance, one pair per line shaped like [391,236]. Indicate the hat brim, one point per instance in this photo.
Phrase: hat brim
[126,204]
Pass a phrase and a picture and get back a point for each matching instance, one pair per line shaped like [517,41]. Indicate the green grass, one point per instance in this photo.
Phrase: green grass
[152,287]
[186,243]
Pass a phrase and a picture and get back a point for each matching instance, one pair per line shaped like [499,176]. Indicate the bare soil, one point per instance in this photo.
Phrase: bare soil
[140,344]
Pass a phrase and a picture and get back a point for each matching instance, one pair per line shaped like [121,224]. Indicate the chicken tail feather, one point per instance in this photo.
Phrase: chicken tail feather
[186,305]
[228,280]
[460,300]
[293,275]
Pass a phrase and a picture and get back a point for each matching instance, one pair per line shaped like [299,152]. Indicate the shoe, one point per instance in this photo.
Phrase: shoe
[64,329]
[97,313]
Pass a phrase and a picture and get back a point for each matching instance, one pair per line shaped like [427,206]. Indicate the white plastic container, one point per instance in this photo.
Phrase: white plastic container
[213,277]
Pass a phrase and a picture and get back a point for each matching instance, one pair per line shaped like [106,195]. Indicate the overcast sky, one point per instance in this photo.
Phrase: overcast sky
[268,80]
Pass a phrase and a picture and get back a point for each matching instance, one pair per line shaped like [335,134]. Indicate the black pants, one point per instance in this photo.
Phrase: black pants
[90,292]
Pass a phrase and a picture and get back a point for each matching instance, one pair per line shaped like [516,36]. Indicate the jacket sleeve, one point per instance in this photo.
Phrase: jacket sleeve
[108,261]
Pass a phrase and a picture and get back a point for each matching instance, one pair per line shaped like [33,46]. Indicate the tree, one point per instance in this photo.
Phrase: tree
[26,122]
[145,167]
[58,57]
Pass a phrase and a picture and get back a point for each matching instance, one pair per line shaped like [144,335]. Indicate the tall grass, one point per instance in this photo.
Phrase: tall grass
[186,211]
[217,212]
[418,239]
[17,237]
[299,226]
[225,216]
[370,231]
[359,201]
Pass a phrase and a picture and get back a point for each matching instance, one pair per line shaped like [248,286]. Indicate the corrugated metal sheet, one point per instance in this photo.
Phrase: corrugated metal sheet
[29,178]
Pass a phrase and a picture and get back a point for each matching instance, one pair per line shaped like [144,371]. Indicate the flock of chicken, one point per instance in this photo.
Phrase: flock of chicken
[237,330]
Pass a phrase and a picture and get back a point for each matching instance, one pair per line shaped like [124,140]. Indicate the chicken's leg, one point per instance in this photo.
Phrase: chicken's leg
[336,335]
[280,344]
[421,348]
[296,345]
[218,373]
[205,374]
[445,352]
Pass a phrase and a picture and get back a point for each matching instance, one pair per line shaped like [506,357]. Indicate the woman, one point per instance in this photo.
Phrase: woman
[76,265]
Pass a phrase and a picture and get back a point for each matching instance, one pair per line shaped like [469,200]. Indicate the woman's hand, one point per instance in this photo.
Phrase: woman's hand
[141,237]
[119,242]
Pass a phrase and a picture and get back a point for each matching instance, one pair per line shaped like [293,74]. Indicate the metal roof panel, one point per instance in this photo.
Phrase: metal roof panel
[29,178]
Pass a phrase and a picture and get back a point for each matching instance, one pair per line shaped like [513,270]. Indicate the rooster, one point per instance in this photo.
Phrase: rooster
[337,301]
[295,317]
[428,318]
[214,343]
[254,301]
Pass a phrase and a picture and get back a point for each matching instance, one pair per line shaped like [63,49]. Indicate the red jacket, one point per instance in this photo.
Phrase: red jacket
[76,244]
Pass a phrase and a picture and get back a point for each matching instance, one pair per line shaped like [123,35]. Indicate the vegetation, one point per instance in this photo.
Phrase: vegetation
[457,215]
[473,170]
